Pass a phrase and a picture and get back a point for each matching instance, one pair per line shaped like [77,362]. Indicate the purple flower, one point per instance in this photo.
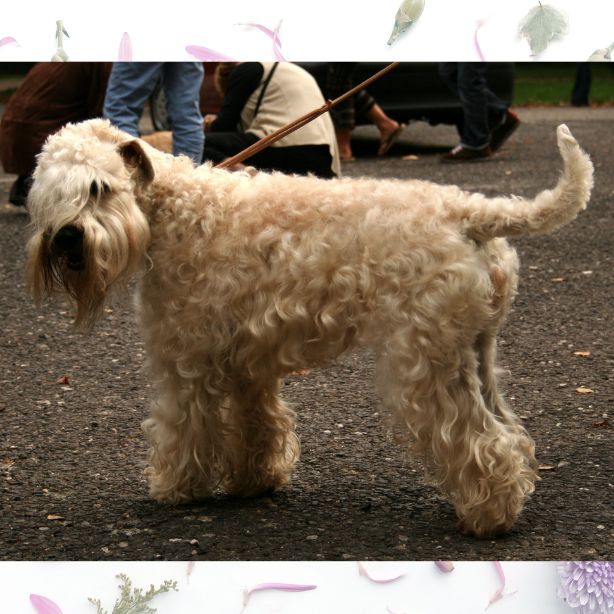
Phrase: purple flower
[588,586]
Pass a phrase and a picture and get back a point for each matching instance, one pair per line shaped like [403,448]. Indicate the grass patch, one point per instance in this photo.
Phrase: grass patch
[551,83]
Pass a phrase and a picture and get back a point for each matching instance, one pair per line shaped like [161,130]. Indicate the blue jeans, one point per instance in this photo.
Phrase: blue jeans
[483,110]
[132,83]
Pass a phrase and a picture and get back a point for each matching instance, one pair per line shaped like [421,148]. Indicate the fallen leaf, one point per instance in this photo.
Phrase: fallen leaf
[583,390]
[299,372]
[547,467]
[54,517]
[582,353]
[63,381]
[601,424]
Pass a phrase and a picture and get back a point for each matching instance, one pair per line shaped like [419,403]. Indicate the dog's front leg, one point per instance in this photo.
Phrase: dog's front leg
[264,446]
[187,434]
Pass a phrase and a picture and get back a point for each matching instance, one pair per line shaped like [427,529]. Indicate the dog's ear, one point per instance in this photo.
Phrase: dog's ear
[135,158]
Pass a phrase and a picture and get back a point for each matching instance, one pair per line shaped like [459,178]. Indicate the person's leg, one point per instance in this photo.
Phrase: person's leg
[296,159]
[222,145]
[181,83]
[339,79]
[474,96]
[130,85]
[468,81]
[582,85]
[389,129]
[448,71]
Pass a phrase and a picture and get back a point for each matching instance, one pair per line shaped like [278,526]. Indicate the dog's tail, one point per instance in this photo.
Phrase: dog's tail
[550,209]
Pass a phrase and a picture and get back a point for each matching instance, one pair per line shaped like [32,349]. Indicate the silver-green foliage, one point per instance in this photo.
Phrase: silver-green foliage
[602,55]
[408,13]
[542,25]
[134,600]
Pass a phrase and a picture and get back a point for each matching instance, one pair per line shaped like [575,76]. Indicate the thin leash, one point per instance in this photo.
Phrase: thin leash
[265,141]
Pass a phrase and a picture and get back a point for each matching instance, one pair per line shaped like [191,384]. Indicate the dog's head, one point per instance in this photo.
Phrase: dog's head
[89,230]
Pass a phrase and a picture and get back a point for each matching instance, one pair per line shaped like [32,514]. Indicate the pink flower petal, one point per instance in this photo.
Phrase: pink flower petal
[42,605]
[125,48]
[277,45]
[272,34]
[189,570]
[205,54]
[362,570]
[498,594]
[476,42]
[276,586]
[446,566]
[7,40]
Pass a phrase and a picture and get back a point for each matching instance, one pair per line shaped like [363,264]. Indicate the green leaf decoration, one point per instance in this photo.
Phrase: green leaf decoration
[408,13]
[542,25]
[133,600]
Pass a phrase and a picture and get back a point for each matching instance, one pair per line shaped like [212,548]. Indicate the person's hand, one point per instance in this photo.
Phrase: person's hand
[208,120]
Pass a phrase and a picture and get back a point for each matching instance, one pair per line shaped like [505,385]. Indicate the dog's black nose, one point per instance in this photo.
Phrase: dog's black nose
[68,242]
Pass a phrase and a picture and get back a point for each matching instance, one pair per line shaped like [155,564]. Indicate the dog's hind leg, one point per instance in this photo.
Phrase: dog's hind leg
[264,446]
[482,461]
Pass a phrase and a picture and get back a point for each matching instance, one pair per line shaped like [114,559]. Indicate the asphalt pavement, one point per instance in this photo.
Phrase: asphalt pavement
[72,453]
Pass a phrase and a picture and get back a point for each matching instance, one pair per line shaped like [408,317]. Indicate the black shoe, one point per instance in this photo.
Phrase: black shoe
[19,190]
[462,154]
[510,122]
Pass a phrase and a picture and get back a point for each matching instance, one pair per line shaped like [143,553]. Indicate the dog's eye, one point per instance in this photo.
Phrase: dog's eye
[94,189]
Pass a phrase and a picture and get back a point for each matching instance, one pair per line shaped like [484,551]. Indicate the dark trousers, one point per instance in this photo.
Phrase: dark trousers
[296,159]
[483,110]
[582,85]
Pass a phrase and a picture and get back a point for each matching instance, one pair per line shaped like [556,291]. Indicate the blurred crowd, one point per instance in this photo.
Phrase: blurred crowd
[257,98]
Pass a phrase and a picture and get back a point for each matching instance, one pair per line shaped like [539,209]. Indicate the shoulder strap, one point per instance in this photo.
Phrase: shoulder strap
[264,86]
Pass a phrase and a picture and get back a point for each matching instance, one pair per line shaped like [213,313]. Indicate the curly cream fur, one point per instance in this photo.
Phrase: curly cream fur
[246,277]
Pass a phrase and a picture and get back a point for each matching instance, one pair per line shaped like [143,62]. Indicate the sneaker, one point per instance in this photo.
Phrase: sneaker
[462,154]
[19,190]
[510,122]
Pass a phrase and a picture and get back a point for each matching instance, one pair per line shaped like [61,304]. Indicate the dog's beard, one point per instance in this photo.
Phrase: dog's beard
[48,272]
[110,253]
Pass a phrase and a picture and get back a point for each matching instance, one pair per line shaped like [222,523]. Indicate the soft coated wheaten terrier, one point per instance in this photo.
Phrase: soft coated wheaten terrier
[247,277]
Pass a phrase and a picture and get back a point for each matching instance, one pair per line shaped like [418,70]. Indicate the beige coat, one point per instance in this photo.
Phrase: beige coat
[291,93]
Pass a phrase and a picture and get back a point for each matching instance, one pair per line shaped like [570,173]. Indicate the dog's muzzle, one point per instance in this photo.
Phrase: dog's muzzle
[68,243]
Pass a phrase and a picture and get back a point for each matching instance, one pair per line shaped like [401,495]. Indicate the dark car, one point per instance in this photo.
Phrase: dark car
[411,91]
